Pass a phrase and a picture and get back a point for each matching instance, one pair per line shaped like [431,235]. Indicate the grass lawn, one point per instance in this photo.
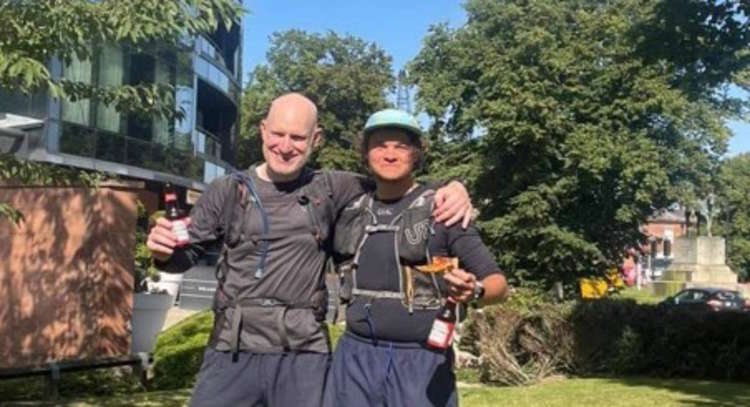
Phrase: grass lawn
[610,393]
[170,398]
[642,296]
[559,392]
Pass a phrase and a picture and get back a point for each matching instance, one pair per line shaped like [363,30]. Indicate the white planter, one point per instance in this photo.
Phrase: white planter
[170,282]
[149,314]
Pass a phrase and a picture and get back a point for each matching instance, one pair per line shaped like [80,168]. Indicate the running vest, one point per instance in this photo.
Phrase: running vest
[241,204]
[411,228]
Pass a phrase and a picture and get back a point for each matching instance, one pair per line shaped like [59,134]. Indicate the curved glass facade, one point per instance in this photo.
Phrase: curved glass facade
[190,150]
[194,148]
[219,78]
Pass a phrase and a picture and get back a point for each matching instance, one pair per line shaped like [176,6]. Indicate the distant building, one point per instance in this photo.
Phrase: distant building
[206,74]
[662,229]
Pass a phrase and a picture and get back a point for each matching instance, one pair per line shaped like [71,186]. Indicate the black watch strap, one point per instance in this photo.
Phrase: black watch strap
[478,292]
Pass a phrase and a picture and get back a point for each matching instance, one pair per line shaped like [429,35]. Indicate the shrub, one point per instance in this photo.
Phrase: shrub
[179,352]
[610,337]
[623,337]
[524,300]
[335,331]
[523,348]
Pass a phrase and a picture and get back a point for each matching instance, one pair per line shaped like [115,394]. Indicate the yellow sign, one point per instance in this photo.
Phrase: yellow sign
[592,288]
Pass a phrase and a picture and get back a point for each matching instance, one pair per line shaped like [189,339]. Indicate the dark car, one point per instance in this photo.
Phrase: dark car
[707,299]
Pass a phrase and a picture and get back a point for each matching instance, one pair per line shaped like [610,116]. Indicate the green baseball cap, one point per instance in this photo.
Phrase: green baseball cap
[393,118]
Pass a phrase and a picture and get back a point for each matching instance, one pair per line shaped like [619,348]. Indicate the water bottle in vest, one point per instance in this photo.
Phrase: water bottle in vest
[441,334]
[176,216]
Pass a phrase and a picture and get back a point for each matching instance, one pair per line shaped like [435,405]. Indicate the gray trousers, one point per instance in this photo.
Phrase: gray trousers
[390,374]
[261,379]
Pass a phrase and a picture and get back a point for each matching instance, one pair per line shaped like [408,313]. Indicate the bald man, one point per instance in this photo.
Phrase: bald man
[269,345]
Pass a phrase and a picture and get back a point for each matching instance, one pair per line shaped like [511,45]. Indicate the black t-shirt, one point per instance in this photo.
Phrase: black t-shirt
[378,270]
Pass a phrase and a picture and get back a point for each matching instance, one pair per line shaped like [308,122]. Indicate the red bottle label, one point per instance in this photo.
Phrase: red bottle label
[441,334]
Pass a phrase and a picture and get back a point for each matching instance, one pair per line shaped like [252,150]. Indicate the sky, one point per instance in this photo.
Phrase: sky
[396,26]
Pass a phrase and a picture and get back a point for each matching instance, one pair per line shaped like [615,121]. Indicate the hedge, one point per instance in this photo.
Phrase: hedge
[608,337]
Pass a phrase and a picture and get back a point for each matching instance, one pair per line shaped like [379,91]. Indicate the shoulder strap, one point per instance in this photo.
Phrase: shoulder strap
[251,191]
[231,198]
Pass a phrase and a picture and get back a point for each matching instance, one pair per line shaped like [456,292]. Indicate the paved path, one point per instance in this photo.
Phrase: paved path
[175,315]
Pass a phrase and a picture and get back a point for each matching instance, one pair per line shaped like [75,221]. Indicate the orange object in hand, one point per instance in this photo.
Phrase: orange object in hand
[439,264]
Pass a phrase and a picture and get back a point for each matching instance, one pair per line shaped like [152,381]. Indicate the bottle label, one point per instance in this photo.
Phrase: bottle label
[441,334]
[179,228]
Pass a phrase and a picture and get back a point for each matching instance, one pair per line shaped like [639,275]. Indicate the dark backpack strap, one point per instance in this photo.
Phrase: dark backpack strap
[227,212]
[249,184]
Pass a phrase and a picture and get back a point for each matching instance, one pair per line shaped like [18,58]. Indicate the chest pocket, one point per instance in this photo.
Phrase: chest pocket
[316,199]
[415,229]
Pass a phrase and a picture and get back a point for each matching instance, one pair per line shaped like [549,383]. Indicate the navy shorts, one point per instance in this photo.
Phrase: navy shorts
[261,379]
[390,374]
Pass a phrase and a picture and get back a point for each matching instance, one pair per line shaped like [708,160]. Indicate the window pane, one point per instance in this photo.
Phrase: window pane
[161,134]
[111,73]
[110,147]
[77,112]
[77,140]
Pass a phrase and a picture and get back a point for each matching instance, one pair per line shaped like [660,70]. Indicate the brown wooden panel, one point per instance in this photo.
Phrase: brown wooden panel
[65,274]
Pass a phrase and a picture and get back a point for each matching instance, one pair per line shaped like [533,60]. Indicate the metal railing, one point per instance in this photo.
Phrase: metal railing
[207,143]
[208,47]
[113,147]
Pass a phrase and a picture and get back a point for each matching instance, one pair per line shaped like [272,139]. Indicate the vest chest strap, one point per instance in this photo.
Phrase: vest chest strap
[378,293]
[381,228]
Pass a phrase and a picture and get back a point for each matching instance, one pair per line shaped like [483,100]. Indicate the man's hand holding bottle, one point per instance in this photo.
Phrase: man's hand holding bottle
[162,240]
[170,232]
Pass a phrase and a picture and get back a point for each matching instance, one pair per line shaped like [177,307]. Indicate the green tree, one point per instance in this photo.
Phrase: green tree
[704,45]
[347,77]
[33,32]
[733,198]
[579,136]
[704,41]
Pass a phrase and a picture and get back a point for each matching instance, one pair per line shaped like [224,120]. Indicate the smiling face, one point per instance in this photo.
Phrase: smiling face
[391,154]
[289,134]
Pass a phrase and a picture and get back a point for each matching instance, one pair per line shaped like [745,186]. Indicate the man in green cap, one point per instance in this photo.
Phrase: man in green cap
[396,349]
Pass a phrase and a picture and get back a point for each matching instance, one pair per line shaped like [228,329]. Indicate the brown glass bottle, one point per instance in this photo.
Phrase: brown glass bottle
[175,215]
[441,333]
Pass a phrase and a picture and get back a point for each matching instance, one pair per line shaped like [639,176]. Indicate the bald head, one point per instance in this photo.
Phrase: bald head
[294,108]
[290,132]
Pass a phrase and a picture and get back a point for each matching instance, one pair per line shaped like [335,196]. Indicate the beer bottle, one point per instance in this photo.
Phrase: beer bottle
[441,333]
[175,215]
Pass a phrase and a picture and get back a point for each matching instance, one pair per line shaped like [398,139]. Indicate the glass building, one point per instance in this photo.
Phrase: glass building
[189,151]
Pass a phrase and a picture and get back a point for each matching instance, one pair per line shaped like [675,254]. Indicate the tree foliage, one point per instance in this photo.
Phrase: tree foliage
[345,76]
[734,220]
[33,32]
[576,130]
[30,173]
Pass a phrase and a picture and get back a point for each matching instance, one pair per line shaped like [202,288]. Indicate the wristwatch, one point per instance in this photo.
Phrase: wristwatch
[478,292]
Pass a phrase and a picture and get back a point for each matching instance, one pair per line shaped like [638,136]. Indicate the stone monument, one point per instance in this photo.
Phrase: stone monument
[698,262]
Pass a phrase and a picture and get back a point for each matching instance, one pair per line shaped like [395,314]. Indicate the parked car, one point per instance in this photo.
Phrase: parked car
[707,299]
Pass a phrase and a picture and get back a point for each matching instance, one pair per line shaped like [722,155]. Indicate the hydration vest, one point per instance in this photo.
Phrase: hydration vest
[242,203]
[411,229]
